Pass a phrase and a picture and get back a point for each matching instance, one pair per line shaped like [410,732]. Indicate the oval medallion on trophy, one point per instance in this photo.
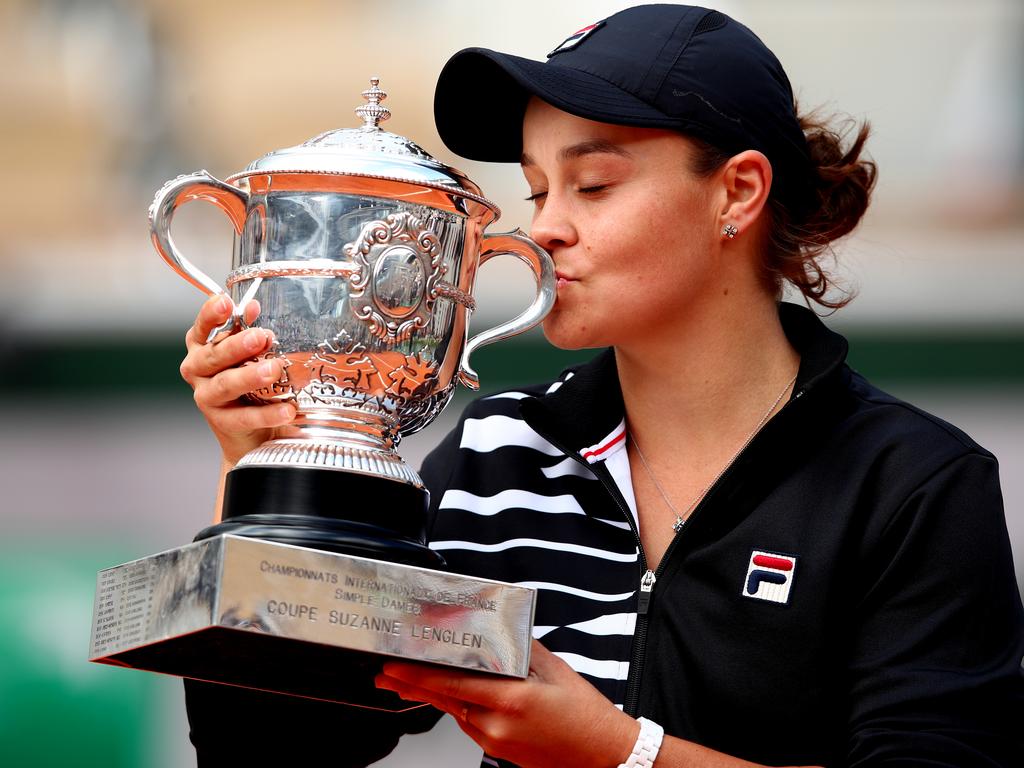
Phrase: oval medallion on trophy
[398,281]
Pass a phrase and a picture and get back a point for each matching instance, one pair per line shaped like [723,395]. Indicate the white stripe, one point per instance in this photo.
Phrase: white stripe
[558,384]
[493,432]
[551,586]
[558,546]
[568,467]
[510,499]
[603,668]
[611,624]
[487,761]
[506,396]
[614,523]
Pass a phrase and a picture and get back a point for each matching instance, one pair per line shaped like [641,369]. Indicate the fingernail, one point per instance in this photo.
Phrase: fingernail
[286,411]
[266,370]
[222,304]
[253,340]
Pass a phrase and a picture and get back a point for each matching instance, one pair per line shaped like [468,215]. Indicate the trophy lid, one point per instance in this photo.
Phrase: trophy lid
[367,151]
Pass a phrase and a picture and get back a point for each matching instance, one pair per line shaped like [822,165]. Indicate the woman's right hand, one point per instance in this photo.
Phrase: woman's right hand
[219,381]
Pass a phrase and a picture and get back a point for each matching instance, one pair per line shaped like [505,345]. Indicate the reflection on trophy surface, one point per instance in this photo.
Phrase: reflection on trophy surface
[362,251]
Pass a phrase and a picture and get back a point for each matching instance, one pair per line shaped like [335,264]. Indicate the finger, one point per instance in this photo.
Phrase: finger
[463,686]
[413,693]
[450,706]
[240,419]
[210,359]
[227,386]
[215,312]
[251,311]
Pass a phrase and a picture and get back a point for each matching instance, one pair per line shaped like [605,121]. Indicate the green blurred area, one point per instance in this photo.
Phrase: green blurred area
[55,708]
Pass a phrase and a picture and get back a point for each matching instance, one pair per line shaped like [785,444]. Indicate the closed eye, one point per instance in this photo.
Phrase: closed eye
[536,196]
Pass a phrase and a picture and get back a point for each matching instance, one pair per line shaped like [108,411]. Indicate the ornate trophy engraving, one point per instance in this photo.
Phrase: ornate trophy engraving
[362,251]
[394,288]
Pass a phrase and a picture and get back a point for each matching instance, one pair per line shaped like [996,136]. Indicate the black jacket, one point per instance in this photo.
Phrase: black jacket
[901,635]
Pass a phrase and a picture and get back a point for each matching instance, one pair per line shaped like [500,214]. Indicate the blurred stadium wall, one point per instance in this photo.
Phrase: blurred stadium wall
[103,457]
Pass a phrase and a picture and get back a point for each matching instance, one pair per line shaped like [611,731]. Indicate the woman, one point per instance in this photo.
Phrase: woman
[736,539]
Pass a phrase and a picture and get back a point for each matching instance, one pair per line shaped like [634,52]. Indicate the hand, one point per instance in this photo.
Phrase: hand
[213,372]
[553,717]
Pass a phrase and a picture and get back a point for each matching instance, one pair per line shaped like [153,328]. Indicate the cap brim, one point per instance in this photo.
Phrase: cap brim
[481,98]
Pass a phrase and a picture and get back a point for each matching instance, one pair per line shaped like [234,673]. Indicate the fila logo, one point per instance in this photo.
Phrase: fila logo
[573,40]
[769,576]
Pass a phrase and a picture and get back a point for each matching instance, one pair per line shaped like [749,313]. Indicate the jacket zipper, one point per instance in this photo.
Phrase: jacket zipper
[647,581]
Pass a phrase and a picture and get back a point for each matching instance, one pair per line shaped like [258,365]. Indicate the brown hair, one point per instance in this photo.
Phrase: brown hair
[795,244]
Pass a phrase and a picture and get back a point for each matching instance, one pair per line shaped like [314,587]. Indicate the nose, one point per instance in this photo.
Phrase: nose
[552,225]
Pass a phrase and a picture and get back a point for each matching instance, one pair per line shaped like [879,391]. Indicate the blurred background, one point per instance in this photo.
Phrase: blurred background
[103,457]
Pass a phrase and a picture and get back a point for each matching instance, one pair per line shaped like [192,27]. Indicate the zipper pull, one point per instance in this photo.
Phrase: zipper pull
[646,588]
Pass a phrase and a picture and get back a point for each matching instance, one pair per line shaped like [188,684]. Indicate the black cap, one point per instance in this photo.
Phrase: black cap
[680,67]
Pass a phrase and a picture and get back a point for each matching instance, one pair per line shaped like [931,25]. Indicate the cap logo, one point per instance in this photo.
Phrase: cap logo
[769,576]
[576,38]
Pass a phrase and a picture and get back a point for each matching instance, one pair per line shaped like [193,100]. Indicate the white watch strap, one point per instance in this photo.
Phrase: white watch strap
[647,745]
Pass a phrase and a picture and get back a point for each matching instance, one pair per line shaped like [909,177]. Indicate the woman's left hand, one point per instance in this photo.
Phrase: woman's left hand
[553,717]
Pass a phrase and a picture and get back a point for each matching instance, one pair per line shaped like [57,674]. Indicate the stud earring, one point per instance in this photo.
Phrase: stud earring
[730,231]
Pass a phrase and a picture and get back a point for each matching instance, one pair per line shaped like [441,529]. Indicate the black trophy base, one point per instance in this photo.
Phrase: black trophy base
[326,509]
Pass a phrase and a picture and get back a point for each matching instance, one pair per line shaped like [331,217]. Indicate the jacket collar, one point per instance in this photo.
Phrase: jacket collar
[586,412]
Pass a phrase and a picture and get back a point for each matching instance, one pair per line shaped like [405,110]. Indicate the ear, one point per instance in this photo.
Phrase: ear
[746,180]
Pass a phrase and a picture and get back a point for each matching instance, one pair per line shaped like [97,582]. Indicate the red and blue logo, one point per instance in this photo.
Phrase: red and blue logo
[573,40]
[769,576]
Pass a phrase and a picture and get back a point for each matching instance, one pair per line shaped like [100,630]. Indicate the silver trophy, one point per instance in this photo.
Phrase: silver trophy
[362,251]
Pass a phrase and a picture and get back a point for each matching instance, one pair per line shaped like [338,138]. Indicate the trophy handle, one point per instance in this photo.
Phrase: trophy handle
[517,244]
[196,186]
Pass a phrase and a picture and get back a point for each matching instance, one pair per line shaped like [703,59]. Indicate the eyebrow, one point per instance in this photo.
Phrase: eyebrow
[582,149]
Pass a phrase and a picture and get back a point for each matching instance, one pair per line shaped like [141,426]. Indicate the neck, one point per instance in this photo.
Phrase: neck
[705,380]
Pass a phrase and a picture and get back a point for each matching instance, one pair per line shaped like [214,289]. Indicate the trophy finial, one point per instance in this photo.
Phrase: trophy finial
[373,112]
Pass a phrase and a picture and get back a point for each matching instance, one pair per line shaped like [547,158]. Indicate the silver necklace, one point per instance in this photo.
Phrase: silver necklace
[682,518]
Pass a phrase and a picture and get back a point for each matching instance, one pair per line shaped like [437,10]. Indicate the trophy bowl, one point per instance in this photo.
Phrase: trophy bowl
[362,251]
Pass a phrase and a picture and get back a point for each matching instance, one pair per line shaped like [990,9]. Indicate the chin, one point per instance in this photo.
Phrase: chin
[564,334]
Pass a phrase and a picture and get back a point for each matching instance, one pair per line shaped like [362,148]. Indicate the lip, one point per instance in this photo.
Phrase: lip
[562,277]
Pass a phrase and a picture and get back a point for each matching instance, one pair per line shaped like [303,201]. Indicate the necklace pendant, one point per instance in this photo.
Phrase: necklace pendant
[677,526]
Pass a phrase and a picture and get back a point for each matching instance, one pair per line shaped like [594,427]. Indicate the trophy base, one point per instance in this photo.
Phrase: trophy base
[333,510]
[309,623]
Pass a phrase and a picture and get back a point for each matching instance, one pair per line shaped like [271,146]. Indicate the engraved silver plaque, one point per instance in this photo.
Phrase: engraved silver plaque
[283,618]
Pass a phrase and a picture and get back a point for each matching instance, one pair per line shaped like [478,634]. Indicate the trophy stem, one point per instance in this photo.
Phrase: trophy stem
[350,425]
[338,451]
